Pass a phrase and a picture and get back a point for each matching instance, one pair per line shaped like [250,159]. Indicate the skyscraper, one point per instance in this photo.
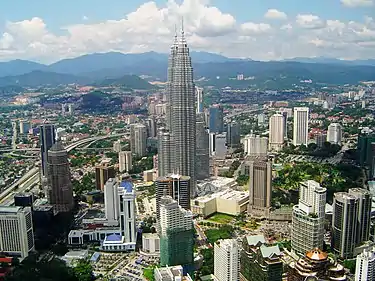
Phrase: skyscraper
[102,174]
[181,110]
[151,127]
[165,151]
[365,266]
[277,132]
[199,95]
[139,139]
[16,231]
[255,145]
[301,126]
[364,213]
[176,186]
[202,167]
[59,188]
[334,133]
[127,214]
[233,134]
[216,119]
[125,161]
[47,139]
[308,218]
[260,188]
[226,260]
[176,231]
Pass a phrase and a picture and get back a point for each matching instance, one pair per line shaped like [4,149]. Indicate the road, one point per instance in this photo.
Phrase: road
[32,178]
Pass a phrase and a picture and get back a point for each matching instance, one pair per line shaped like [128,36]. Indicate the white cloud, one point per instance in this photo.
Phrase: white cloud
[275,14]
[309,21]
[151,28]
[357,3]
[85,18]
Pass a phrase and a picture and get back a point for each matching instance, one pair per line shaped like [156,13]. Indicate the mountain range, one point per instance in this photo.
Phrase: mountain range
[115,68]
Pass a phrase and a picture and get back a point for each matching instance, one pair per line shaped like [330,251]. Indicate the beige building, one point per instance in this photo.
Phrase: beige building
[151,243]
[231,202]
[277,132]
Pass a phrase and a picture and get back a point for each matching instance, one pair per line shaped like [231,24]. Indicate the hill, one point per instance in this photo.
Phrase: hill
[126,81]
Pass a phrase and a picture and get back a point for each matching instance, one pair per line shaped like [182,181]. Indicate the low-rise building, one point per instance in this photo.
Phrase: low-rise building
[174,273]
[151,243]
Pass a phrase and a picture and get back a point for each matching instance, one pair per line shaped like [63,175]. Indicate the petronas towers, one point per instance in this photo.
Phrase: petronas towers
[180,141]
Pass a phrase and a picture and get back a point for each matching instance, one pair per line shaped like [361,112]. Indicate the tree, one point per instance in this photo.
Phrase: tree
[83,271]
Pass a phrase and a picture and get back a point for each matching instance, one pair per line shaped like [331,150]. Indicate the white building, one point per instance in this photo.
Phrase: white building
[217,145]
[117,146]
[151,243]
[277,132]
[199,94]
[174,273]
[16,231]
[334,134]
[125,160]
[308,218]
[255,145]
[365,266]
[111,201]
[138,139]
[127,213]
[226,260]
[301,126]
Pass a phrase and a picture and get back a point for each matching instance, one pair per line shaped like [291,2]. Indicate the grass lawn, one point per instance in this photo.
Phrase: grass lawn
[148,273]
[221,218]
[215,234]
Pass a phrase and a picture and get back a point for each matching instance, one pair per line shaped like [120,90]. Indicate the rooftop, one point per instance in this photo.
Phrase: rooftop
[113,238]
[317,255]
[269,251]
[127,185]
[254,240]
[4,209]
[227,194]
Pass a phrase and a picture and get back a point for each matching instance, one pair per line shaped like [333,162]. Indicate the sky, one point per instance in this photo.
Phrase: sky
[49,30]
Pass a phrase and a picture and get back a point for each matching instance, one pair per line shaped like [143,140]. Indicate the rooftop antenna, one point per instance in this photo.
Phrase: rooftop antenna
[175,33]
[182,30]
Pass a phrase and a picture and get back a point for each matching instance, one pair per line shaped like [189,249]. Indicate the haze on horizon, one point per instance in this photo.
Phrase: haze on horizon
[256,29]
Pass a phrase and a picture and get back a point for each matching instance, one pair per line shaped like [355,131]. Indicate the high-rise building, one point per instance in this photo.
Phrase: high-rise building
[216,119]
[16,231]
[255,145]
[25,126]
[308,218]
[220,146]
[125,160]
[111,200]
[102,174]
[233,134]
[199,95]
[176,231]
[301,126]
[165,151]
[212,143]
[259,261]
[334,133]
[320,139]
[117,146]
[202,167]
[226,260]
[138,140]
[181,111]
[127,214]
[260,188]
[277,132]
[176,186]
[365,266]
[364,213]
[59,183]
[151,127]
[344,224]
[47,139]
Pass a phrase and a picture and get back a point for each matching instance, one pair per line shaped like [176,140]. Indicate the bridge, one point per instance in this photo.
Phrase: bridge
[31,178]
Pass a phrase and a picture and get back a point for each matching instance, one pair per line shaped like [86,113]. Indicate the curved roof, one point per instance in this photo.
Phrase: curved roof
[317,255]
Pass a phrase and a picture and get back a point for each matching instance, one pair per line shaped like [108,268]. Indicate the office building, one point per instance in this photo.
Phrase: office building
[199,96]
[260,188]
[226,260]
[334,133]
[301,126]
[25,126]
[344,224]
[216,119]
[218,145]
[255,145]
[260,261]
[127,213]
[181,110]
[59,184]
[308,218]
[24,199]
[47,139]
[261,119]
[138,140]
[151,127]
[125,160]
[16,231]
[364,149]
[174,273]
[165,151]
[277,132]
[320,139]
[233,135]
[315,265]
[103,172]
[202,157]
[176,186]
[364,213]
[111,202]
[151,243]
[176,232]
[117,146]
[365,266]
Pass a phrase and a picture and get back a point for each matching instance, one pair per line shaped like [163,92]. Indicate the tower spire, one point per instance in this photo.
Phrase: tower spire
[182,30]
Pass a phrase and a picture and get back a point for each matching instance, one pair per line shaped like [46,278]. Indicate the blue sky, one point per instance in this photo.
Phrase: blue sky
[45,23]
